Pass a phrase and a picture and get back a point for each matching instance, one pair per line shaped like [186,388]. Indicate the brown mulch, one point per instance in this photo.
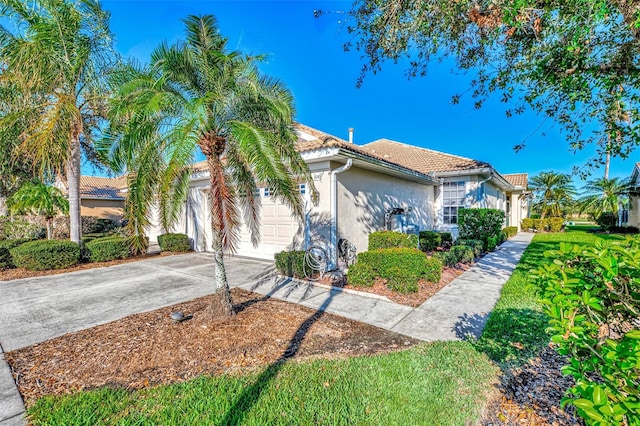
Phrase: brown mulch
[425,289]
[531,394]
[149,349]
[17,273]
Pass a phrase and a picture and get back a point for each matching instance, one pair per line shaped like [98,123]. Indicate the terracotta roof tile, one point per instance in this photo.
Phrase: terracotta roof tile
[422,159]
[100,187]
[518,179]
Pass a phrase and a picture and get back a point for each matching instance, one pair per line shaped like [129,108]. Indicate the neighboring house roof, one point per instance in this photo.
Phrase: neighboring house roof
[100,187]
[422,159]
[518,179]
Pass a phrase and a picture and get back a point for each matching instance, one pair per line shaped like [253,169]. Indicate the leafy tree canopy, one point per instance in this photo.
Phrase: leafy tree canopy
[575,61]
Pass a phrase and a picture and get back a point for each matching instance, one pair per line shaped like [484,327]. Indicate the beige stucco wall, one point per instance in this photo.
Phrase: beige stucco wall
[365,196]
[106,209]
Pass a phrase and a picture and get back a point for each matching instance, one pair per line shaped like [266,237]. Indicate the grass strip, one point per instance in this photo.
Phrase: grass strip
[443,383]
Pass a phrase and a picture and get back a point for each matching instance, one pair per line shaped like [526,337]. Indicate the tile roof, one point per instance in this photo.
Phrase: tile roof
[100,187]
[518,179]
[422,159]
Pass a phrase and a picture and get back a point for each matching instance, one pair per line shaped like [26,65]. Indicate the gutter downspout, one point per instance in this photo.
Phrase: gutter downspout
[334,214]
[482,183]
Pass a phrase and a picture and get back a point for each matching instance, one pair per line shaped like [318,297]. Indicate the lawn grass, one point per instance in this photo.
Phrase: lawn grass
[515,330]
[443,383]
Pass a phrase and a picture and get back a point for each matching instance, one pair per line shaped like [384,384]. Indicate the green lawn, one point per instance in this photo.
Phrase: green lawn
[515,330]
[438,384]
[442,383]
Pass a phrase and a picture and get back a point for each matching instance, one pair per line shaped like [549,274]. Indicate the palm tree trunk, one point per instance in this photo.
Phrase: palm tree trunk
[221,304]
[73,185]
[48,222]
[607,163]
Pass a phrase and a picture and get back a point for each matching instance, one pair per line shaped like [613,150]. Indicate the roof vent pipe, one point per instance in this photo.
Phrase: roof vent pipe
[350,134]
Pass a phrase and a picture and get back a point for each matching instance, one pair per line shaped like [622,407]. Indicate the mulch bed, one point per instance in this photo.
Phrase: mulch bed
[425,288]
[149,349]
[530,395]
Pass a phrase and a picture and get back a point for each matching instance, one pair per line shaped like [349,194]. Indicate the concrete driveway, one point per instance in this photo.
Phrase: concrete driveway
[36,309]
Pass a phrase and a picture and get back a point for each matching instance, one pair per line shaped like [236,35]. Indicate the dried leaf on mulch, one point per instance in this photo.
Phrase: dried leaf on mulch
[148,349]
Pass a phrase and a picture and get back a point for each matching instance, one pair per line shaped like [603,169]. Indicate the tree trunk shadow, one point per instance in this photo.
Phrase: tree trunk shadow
[252,394]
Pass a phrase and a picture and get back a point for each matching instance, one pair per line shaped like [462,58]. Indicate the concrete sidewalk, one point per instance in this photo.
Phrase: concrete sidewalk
[38,309]
[456,312]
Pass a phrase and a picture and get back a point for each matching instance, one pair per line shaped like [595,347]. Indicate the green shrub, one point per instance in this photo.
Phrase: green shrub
[97,225]
[430,240]
[476,245]
[12,228]
[492,243]
[591,295]
[401,267]
[555,224]
[540,225]
[511,231]
[391,239]
[447,239]
[174,242]
[6,261]
[290,263]
[107,248]
[46,254]
[624,230]
[446,258]
[463,254]
[526,224]
[607,220]
[480,224]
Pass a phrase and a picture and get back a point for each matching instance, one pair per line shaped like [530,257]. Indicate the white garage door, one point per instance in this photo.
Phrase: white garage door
[277,231]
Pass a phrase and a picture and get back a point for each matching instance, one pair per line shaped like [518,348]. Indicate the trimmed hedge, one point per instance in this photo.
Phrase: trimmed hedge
[555,224]
[464,254]
[481,224]
[526,224]
[391,239]
[447,239]
[540,225]
[174,242]
[510,231]
[6,261]
[401,267]
[476,245]
[430,240]
[290,263]
[108,248]
[46,254]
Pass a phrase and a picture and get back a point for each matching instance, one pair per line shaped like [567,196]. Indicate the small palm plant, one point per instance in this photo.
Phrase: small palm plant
[554,193]
[39,199]
[604,195]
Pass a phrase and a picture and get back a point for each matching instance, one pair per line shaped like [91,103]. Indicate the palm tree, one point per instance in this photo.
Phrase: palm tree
[553,191]
[40,199]
[196,96]
[56,56]
[604,195]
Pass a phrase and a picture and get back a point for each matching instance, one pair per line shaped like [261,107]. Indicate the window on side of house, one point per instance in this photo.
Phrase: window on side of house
[453,194]
[303,188]
[266,192]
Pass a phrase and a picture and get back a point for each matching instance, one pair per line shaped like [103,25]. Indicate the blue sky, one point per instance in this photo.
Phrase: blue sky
[307,54]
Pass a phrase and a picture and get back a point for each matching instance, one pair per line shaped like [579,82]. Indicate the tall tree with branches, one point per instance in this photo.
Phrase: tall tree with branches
[198,96]
[554,193]
[56,54]
[562,59]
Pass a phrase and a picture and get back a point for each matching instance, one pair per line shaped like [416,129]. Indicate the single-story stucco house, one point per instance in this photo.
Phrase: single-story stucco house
[100,196]
[633,218]
[362,189]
